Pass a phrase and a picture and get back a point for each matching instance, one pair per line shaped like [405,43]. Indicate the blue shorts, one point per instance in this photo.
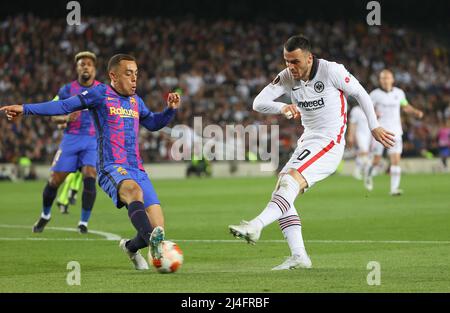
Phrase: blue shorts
[444,152]
[74,152]
[112,175]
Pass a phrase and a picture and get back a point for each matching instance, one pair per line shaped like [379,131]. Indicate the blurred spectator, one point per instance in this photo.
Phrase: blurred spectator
[219,65]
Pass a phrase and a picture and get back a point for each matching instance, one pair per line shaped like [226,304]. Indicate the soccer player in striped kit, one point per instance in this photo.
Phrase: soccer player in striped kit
[117,113]
[78,148]
[318,90]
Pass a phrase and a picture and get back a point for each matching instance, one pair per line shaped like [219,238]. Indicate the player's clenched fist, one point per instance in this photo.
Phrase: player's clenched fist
[12,112]
[173,100]
[291,111]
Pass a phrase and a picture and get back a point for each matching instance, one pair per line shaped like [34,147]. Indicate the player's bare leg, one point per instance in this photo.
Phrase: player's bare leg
[88,197]
[48,196]
[131,194]
[281,208]
[395,172]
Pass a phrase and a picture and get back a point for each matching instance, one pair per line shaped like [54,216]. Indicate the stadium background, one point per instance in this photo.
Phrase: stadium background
[220,54]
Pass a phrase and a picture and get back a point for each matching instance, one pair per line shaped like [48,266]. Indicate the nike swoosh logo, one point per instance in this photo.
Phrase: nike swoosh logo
[294,89]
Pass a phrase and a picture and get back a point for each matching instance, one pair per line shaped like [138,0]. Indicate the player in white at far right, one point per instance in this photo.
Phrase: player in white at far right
[317,88]
[388,100]
[359,132]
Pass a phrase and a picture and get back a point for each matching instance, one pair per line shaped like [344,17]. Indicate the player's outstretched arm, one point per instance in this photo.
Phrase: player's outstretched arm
[87,99]
[59,107]
[409,109]
[156,121]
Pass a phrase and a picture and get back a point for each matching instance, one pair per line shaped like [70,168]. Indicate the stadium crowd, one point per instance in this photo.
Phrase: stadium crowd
[219,65]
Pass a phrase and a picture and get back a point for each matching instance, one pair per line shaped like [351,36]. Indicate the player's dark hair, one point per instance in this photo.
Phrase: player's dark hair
[115,60]
[297,42]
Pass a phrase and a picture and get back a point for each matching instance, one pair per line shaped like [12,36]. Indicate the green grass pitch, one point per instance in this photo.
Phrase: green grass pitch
[344,226]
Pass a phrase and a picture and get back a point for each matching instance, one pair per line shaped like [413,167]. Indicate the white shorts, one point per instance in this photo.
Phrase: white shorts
[315,159]
[363,141]
[378,148]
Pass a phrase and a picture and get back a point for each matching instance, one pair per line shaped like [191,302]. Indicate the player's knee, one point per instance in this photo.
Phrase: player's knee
[289,184]
[299,179]
[89,171]
[56,179]
[130,191]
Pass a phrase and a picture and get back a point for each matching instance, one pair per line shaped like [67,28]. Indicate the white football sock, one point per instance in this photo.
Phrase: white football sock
[282,200]
[291,227]
[359,163]
[396,173]
[46,216]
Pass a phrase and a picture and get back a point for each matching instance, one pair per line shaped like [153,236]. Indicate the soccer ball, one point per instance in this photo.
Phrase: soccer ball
[171,260]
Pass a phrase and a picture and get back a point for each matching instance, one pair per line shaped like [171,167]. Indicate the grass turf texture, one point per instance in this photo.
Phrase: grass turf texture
[335,209]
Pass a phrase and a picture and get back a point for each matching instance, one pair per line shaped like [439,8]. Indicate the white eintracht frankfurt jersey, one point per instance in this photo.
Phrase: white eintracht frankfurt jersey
[358,118]
[387,105]
[321,100]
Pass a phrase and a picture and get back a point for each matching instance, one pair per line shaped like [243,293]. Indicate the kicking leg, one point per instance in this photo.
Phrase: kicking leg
[131,194]
[282,200]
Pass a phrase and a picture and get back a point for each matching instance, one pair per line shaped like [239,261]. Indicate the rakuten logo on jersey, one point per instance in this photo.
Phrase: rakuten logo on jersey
[312,105]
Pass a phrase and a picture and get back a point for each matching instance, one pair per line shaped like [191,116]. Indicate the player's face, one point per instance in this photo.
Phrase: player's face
[86,69]
[299,63]
[124,77]
[386,80]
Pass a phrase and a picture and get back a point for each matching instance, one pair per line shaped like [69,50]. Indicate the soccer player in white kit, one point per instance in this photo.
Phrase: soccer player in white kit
[359,133]
[318,91]
[388,100]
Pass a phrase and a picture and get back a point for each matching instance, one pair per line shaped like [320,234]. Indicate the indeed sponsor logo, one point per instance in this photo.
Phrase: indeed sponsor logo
[312,105]
[128,113]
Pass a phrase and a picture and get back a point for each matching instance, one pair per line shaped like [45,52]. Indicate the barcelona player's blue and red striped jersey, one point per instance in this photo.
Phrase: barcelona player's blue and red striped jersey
[83,124]
[116,118]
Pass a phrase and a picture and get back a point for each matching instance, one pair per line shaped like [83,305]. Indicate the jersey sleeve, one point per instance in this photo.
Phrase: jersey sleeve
[154,121]
[343,80]
[88,99]
[265,100]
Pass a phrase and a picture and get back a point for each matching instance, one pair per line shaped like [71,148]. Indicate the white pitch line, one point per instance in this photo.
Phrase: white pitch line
[115,237]
[108,236]
[319,241]
[239,241]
